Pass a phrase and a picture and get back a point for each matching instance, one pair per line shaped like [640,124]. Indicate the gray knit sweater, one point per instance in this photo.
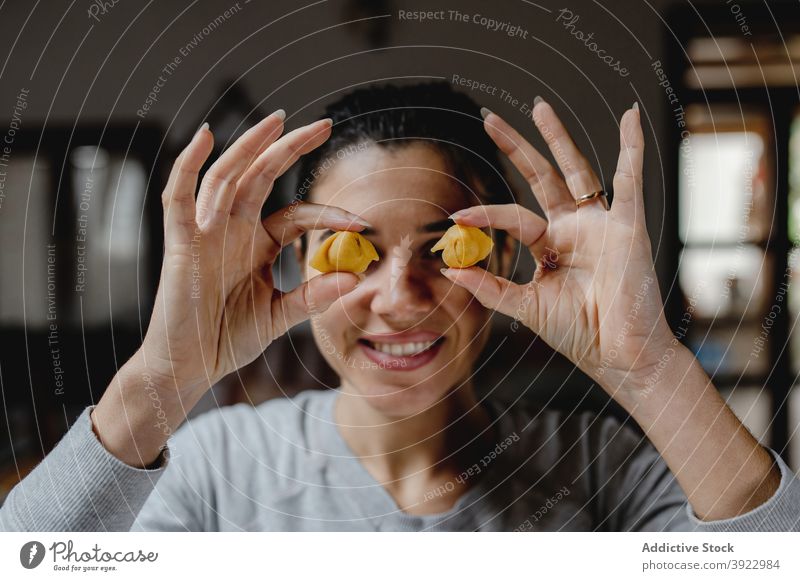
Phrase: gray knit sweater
[283,466]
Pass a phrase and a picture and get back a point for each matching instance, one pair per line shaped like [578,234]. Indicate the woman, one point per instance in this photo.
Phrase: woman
[404,443]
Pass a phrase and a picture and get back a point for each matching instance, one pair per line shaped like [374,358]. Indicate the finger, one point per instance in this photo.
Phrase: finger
[577,171]
[219,184]
[495,292]
[287,225]
[256,184]
[178,196]
[520,222]
[550,190]
[628,196]
[314,296]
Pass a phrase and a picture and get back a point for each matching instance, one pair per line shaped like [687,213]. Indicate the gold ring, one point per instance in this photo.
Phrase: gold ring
[604,196]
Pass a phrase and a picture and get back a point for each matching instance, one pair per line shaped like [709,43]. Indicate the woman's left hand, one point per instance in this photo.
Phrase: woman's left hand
[594,296]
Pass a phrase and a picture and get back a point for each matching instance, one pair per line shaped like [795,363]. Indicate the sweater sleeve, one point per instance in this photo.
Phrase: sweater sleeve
[80,486]
[184,498]
[781,513]
[651,499]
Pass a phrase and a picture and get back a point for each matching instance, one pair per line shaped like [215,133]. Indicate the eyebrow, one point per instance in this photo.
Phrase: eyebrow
[438,226]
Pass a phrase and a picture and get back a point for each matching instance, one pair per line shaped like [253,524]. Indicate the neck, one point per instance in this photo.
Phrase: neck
[442,438]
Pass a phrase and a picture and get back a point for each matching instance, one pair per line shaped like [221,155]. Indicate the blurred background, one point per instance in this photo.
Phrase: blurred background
[98,97]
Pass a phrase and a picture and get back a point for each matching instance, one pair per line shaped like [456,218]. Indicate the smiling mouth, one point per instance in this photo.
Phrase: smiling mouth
[410,349]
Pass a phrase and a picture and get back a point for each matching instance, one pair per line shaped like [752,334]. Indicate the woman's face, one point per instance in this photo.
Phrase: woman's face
[406,336]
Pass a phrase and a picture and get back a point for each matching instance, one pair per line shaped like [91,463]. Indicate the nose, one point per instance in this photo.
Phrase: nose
[401,290]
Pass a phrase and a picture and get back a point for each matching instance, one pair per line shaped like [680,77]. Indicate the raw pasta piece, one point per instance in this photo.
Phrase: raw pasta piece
[463,246]
[344,252]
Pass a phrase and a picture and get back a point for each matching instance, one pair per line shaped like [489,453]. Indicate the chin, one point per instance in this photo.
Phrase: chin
[404,398]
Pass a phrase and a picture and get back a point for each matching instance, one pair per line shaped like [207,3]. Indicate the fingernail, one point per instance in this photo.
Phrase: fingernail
[203,126]
[328,121]
[361,276]
[280,114]
[444,271]
[459,214]
[362,222]
[635,106]
[536,100]
[485,112]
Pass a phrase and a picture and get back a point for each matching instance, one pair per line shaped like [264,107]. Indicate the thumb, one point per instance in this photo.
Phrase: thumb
[495,292]
[628,197]
[313,296]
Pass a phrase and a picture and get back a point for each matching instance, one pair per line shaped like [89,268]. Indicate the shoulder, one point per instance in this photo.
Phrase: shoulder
[598,456]
[578,436]
[278,414]
[265,430]
[535,419]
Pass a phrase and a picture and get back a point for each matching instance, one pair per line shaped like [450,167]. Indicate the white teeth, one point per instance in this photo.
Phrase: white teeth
[402,349]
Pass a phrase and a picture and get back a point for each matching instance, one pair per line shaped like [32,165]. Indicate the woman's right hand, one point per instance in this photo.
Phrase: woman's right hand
[217,307]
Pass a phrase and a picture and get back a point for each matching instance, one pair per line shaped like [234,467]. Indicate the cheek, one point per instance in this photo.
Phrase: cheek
[327,330]
[331,320]
[339,321]
[461,306]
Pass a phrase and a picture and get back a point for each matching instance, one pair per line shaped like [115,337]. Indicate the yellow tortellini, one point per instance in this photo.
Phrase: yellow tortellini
[463,246]
[344,252]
